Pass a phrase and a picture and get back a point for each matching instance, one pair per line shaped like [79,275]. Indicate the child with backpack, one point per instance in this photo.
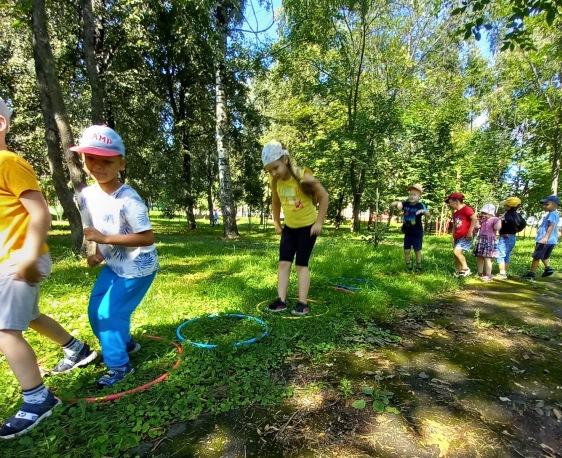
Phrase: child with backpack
[512,223]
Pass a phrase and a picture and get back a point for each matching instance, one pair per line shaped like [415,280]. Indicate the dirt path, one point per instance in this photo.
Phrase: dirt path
[480,376]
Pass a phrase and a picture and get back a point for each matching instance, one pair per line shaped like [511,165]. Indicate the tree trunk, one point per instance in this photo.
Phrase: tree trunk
[357,187]
[225,183]
[555,164]
[190,215]
[58,133]
[96,81]
[339,209]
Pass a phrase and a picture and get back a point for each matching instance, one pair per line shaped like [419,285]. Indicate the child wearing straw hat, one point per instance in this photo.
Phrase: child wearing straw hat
[512,223]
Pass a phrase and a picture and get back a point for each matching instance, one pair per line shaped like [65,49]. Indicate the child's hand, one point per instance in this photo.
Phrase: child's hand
[468,237]
[420,212]
[544,240]
[93,235]
[29,272]
[278,228]
[95,259]
[316,228]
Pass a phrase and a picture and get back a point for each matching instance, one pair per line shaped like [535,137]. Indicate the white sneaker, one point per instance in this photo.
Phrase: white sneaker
[465,273]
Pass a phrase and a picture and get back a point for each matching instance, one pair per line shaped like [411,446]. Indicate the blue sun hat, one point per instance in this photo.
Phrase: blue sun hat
[273,151]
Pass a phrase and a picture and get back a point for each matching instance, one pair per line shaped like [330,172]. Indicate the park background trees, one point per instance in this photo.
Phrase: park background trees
[372,95]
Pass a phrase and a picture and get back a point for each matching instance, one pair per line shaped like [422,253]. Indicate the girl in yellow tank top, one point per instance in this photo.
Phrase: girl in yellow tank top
[296,191]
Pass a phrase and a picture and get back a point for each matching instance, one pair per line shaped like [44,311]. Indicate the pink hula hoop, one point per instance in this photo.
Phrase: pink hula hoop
[115,396]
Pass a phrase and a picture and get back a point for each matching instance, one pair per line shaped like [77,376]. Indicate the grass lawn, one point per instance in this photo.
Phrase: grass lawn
[202,274]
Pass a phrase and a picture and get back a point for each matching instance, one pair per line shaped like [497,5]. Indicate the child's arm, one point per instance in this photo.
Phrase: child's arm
[473,225]
[396,204]
[424,211]
[145,238]
[96,258]
[551,227]
[37,229]
[322,196]
[498,224]
[276,209]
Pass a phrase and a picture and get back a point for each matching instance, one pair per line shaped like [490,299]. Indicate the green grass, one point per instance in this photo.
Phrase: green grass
[202,274]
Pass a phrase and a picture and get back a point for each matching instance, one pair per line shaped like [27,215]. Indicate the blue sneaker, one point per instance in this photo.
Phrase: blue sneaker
[80,359]
[28,417]
[114,375]
[133,346]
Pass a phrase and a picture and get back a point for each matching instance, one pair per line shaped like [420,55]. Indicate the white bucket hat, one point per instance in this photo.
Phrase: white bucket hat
[272,152]
[490,209]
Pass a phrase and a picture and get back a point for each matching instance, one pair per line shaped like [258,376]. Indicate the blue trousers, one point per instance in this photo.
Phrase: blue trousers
[112,302]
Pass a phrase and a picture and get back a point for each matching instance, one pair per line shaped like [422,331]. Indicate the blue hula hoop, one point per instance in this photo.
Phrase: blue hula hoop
[350,288]
[231,315]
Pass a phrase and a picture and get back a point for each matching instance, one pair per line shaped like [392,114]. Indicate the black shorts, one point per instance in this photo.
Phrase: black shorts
[297,242]
[542,251]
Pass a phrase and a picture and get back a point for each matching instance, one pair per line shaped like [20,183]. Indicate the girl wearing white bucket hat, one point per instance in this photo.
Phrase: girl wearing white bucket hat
[486,243]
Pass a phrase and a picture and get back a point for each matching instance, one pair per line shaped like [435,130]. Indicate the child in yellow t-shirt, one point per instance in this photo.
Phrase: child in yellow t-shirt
[296,191]
[24,263]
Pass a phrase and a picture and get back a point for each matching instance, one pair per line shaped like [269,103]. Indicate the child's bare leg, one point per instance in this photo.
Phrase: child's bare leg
[488,264]
[283,274]
[21,359]
[407,257]
[418,257]
[50,328]
[460,260]
[534,265]
[303,274]
[480,264]
[546,263]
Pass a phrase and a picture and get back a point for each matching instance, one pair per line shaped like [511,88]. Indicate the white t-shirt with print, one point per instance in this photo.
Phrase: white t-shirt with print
[122,212]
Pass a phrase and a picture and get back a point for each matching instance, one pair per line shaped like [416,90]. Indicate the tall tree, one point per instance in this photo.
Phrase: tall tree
[224,13]
[58,134]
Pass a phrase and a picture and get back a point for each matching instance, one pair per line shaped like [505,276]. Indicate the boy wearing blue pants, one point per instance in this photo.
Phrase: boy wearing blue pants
[116,218]
[24,263]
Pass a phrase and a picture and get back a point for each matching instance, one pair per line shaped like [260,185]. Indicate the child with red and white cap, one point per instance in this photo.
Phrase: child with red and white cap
[465,222]
[116,218]
[412,226]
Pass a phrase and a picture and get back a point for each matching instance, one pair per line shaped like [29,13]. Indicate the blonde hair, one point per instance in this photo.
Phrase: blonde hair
[297,173]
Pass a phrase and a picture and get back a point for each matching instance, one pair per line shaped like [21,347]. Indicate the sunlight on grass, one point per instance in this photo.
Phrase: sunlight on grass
[202,274]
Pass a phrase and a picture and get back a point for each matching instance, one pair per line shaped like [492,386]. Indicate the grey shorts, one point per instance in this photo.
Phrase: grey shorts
[19,301]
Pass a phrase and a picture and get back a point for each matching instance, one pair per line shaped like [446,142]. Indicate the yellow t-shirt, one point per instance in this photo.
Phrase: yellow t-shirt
[298,208]
[16,177]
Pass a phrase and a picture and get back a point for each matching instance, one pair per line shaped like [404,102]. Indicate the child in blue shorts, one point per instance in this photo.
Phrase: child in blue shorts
[412,226]
[116,218]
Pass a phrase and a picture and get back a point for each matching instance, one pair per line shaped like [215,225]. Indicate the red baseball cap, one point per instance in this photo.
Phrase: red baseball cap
[455,195]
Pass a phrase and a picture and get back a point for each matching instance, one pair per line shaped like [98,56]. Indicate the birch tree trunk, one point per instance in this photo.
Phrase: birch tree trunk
[225,183]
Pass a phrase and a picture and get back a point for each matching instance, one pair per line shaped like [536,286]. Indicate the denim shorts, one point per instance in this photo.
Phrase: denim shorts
[505,247]
[462,244]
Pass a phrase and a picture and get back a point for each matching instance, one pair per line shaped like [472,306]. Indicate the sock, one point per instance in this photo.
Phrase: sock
[73,347]
[503,272]
[36,395]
